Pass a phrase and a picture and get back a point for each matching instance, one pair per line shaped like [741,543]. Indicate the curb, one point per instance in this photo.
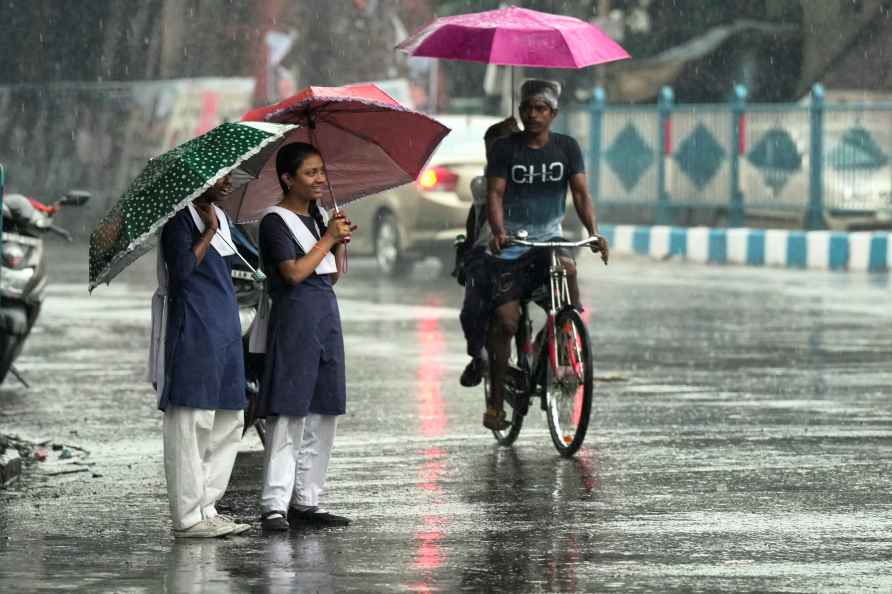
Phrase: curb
[859,251]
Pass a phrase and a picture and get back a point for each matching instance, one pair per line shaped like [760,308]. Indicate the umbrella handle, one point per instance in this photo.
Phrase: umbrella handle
[512,90]
[342,260]
[258,275]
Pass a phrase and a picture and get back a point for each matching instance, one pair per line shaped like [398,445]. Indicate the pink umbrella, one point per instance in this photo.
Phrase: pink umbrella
[515,37]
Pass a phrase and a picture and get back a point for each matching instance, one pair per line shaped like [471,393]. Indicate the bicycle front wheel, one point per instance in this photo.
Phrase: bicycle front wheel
[569,383]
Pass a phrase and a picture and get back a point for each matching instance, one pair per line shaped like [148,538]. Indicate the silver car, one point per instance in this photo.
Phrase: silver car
[403,225]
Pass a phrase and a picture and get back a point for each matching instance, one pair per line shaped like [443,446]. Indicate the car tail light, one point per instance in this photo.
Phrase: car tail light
[438,178]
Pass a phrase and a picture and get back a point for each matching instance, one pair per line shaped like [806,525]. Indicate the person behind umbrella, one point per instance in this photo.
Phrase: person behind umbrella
[475,308]
[200,378]
[303,389]
[528,174]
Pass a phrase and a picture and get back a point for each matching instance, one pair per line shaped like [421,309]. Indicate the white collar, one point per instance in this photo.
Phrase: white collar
[304,238]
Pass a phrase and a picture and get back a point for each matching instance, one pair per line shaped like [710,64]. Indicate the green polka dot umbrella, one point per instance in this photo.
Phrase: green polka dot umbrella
[170,182]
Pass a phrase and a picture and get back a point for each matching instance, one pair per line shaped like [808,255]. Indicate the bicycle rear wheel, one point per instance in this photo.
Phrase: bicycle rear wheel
[569,390]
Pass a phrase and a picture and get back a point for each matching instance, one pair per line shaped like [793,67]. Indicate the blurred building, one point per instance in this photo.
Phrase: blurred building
[777,48]
[328,42]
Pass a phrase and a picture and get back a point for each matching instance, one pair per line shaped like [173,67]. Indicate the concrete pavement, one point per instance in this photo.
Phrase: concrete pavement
[748,448]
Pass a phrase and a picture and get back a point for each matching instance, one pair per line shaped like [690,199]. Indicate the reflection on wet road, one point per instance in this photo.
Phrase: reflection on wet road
[747,449]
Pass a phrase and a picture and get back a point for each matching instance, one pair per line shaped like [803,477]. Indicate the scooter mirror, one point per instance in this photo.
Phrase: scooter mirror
[76,198]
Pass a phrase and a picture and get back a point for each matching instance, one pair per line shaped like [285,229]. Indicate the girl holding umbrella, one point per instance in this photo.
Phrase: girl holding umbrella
[201,389]
[304,382]
[370,143]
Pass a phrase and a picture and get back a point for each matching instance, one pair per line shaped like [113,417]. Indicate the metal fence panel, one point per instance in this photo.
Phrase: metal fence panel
[774,164]
[808,163]
[628,159]
[698,166]
[857,166]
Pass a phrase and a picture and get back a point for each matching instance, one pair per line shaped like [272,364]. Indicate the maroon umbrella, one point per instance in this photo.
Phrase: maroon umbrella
[368,141]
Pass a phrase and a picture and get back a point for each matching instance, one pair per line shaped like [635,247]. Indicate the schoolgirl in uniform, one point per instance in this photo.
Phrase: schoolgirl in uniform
[196,365]
[303,390]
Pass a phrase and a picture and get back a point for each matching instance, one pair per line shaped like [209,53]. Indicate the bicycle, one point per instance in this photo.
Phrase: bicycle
[556,366]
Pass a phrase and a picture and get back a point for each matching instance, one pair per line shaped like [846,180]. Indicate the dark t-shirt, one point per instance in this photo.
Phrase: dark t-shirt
[277,245]
[537,182]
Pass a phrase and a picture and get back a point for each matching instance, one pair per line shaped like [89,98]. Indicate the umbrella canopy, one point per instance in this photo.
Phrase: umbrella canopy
[369,143]
[515,37]
[169,183]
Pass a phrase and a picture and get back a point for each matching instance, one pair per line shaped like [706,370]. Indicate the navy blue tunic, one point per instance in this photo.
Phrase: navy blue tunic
[204,366]
[304,368]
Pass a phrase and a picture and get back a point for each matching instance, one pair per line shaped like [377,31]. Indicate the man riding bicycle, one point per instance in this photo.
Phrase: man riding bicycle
[528,174]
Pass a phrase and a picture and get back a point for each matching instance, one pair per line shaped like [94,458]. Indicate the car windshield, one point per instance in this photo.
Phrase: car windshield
[465,141]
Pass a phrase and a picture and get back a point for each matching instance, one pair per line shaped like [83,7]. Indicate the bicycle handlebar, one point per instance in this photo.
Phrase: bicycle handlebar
[554,244]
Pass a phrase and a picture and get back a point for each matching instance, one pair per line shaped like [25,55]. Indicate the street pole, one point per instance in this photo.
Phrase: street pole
[664,214]
[814,218]
[738,148]
[604,8]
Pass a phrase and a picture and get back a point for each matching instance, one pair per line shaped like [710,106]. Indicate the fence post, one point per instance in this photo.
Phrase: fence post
[738,149]
[596,121]
[664,216]
[814,218]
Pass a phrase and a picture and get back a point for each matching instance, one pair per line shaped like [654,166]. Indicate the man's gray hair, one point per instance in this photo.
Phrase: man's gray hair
[548,91]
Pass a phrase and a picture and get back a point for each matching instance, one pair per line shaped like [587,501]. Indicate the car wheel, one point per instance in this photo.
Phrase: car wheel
[389,247]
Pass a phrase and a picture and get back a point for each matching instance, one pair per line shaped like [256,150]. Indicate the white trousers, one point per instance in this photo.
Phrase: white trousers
[200,447]
[298,450]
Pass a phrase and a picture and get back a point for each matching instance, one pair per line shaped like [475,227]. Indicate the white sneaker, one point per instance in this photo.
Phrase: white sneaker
[205,529]
[236,527]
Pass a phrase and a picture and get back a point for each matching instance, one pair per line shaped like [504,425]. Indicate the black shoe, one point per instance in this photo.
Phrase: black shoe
[314,519]
[274,521]
[473,373]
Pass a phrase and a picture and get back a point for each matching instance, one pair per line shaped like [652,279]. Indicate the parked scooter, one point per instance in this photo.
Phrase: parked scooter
[23,277]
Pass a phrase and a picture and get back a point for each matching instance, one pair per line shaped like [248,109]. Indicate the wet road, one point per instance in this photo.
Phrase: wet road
[748,449]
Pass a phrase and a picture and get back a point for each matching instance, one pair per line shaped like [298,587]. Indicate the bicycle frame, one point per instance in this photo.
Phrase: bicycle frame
[559,290]
[558,369]
[560,297]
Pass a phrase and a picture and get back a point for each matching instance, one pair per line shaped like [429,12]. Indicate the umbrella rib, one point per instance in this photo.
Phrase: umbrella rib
[569,49]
